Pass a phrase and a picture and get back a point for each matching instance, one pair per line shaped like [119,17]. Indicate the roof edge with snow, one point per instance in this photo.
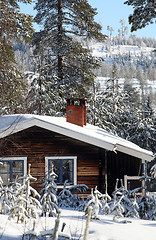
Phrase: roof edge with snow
[10,124]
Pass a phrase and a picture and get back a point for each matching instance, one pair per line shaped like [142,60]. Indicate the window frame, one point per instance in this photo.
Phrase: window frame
[22,158]
[74,170]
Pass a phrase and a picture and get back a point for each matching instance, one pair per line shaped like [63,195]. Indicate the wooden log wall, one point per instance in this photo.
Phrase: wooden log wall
[36,143]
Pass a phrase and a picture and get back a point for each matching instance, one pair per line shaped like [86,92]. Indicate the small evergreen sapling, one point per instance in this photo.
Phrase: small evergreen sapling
[105,198]
[68,197]
[134,209]
[152,212]
[7,195]
[117,206]
[6,199]
[95,203]
[26,203]
[48,196]
[153,171]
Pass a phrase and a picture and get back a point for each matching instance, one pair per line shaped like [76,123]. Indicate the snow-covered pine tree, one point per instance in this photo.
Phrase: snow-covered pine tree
[152,211]
[133,210]
[153,171]
[68,196]
[110,108]
[13,25]
[94,202]
[121,203]
[142,130]
[26,202]
[65,196]
[48,198]
[70,63]
[7,199]
[45,95]
[144,13]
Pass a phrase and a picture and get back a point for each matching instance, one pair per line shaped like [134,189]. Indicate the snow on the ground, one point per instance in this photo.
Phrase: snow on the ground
[150,85]
[103,229]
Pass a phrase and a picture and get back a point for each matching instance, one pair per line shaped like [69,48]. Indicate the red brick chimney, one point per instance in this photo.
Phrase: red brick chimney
[76,111]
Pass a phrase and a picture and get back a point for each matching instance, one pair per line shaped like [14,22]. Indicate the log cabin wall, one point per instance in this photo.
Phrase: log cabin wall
[121,164]
[35,143]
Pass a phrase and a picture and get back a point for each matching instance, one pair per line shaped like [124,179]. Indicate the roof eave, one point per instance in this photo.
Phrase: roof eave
[139,153]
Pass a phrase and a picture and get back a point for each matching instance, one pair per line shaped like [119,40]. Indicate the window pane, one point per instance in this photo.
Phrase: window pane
[67,176]
[6,178]
[17,166]
[67,165]
[4,167]
[56,166]
[63,168]
[11,169]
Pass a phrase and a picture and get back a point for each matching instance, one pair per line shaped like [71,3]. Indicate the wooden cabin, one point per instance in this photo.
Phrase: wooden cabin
[81,153]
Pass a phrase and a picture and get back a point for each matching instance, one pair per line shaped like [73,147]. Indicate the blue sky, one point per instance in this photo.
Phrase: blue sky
[110,12]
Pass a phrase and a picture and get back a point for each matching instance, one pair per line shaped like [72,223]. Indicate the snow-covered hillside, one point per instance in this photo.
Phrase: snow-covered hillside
[135,63]
[100,50]
[150,86]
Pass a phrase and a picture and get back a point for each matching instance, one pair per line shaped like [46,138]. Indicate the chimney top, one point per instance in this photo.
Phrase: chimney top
[76,111]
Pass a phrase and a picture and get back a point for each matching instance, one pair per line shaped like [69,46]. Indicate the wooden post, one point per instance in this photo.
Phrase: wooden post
[90,209]
[33,237]
[106,179]
[56,228]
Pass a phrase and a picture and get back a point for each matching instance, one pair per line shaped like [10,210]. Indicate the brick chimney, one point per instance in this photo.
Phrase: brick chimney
[76,111]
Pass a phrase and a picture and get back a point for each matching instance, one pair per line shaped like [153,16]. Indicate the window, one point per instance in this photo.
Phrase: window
[10,167]
[64,167]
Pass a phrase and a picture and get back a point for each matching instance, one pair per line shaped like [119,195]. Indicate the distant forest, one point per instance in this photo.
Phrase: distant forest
[24,55]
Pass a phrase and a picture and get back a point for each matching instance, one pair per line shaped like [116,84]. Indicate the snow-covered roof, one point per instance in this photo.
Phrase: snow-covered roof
[10,124]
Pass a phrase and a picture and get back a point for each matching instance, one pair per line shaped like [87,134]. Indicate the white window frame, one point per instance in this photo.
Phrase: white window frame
[63,157]
[16,158]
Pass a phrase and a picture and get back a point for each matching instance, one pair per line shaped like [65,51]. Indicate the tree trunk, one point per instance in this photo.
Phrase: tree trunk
[60,58]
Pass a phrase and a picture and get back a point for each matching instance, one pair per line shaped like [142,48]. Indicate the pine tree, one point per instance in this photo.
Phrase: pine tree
[71,63]
[144,13]
[45,94]
[110,108]
[142,130]
[48,196]
[13,26]
[95,203]
[26,203]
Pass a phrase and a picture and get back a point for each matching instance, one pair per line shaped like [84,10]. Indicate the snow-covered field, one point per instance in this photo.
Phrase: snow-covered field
[150,86]
[103,229]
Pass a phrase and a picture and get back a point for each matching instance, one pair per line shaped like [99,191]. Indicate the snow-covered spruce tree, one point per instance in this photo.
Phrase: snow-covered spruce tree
[112,109]
[70,63]
[46,94]
[13,25]
[152,211]
[119,203]
[133,211]
[142,130]
[153,171]
[144,13]
[94,201]
[48,198]
[7,199]
[122,204]
[145,202]
[26,202]
[68,196]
